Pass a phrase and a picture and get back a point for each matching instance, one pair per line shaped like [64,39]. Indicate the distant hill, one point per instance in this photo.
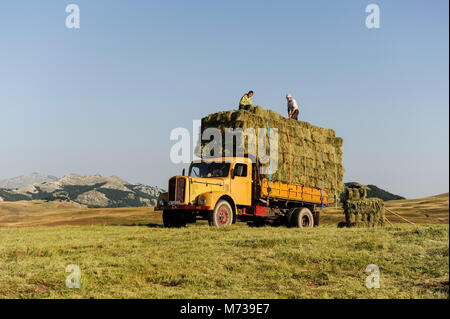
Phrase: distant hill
[22,181]
[432,209]
[7,195]
[88,190]
[374,191]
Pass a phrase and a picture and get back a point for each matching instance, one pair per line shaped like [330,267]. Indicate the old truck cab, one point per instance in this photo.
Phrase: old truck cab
[213,189]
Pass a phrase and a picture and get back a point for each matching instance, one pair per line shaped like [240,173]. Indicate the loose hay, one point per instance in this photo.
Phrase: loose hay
[307,154]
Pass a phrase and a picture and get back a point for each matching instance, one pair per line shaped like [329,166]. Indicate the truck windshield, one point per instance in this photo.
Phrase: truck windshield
[209,170]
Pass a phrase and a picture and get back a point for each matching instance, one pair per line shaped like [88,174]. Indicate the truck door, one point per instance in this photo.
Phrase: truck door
[241,186]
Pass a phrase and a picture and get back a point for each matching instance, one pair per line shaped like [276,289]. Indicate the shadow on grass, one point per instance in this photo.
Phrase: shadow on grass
[262,223]
[150,225]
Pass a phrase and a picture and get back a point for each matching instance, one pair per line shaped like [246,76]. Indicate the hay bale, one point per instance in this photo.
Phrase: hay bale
[314,153]
[354,192]
[364,212]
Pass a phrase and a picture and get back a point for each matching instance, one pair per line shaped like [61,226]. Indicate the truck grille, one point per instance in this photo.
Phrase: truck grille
[177,188]
[181,186]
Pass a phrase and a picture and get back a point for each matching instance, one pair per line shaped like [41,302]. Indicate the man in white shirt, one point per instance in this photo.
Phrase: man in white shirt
[292,107]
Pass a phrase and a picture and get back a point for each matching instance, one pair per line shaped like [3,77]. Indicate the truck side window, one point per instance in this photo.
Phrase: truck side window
[240,170]
[195,172]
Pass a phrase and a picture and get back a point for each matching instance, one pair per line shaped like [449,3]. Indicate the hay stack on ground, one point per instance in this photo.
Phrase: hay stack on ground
[367,212]
[307,154]
[362,211]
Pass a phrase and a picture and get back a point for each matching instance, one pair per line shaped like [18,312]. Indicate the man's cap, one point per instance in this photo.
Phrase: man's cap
[288,95]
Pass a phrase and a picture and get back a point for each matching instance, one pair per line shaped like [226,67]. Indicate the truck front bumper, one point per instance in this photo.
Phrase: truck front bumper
[184,207]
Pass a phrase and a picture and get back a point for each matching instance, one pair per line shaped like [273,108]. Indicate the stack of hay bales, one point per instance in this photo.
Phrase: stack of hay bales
[361,211]
[354,192]
[307,154]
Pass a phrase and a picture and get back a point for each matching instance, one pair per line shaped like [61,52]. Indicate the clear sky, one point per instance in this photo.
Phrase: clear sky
[104,98]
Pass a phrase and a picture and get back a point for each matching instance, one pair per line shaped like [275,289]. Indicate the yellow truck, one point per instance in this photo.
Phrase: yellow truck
[223,190]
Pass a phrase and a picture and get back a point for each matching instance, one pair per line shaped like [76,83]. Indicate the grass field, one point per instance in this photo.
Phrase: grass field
[40,213]
[125,253]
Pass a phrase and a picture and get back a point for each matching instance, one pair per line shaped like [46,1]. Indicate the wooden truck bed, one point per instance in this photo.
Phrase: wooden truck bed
[293,192]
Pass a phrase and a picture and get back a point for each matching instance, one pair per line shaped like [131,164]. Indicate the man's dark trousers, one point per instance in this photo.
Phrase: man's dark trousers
[244,107]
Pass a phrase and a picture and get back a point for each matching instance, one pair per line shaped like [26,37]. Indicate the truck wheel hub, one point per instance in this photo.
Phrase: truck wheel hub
[305,221]
[223,215]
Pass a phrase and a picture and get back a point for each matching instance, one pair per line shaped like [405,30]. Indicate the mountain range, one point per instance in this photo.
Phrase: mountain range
[85,190]
[22,181]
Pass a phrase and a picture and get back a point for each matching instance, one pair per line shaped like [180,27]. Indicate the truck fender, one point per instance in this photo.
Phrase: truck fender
[212,198]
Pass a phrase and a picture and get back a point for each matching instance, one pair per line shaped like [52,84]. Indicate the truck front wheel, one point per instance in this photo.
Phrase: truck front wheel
[303,218]
[173,219]
[222,215]
[168,219]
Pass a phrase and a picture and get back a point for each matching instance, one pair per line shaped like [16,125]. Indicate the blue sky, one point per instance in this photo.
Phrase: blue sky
[104,98]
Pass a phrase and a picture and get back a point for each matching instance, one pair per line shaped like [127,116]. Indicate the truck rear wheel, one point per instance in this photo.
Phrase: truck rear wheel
[222,215]
[303,218]
[289,216]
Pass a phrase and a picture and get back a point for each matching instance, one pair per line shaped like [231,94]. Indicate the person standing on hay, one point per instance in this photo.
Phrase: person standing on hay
[246,102]
[292,107]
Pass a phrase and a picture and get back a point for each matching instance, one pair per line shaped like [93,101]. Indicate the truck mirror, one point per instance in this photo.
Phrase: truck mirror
[184,171]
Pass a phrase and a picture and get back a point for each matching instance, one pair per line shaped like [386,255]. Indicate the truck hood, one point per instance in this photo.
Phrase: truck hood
[220,181]
[198,186]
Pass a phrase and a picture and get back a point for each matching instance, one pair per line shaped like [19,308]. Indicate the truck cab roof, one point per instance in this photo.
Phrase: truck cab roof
[227,159]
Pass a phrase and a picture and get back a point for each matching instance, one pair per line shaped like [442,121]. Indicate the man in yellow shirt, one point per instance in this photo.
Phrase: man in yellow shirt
[246,101]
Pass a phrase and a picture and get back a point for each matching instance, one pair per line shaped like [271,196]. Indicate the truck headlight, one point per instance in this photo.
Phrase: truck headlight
[162,202]
[202,201]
